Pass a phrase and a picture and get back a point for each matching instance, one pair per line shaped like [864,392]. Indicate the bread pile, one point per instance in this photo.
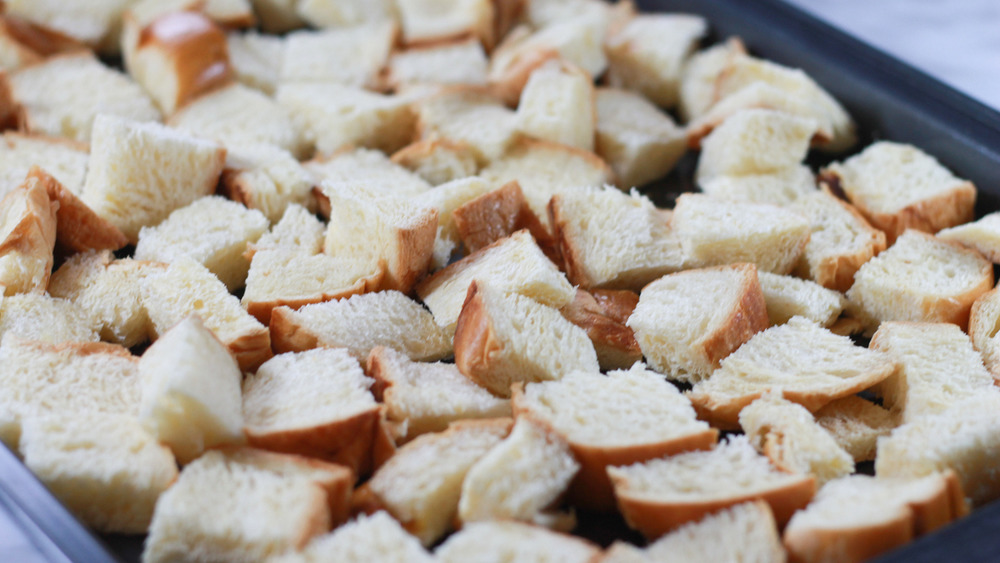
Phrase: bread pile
[372,280]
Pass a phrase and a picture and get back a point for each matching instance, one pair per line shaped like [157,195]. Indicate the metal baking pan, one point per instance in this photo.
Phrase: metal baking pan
[888,99]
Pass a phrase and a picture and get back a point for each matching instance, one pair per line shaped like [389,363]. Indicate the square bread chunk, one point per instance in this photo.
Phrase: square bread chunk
[811,365]
[368,538]
[558,105]
[62,96]
[755,141]
[788,297]
[449,198]
[603,315]
[687,322]
[215,510]
[982,235]
[37,316]
[191,391]
[468,115]
[368,168]
[345,13]
[514,541]
[501,339]
[422,483]
[212,231]
[648,54]
[922,278]
[256,58]
[663,494]
[422,397]
[27,238]
[389,319]
[779,188]
[351,56]
[461,62]
[856,424]
[498,214]
[64,159]
[437,21]
[105,468]
[983,322]
[78,228]
[266,178]
[438,161]
[715,232]
[138,173]
[899,187]
[697,90]
[93,23]
[622,418]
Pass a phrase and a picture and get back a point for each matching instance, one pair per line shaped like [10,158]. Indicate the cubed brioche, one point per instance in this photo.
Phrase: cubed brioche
[787,297]
[140,172]
[500,213]
[371,169]
[62,158]
[461,62]
[368,538]
[810,364]
[783,187]
[448,199]
[499,541]
[519,478]
[438,161]
[469,116]
[982,235]
[922,278]
[622,418]
[351,56]
[186,287]
[696,94]
[345,13]
[212,231]
[501,339]
[983,322]
[37,316]
[316,404]
[215,510]
[266,178]
[756,141]
[436,21]
[687,322]
[421,485]
[27,238]
[422,397]
[790,437]
[78,228]
[256,58]
[360,323]
[898,187]
[558,105]
[856,424]
[105,468]
[662,494]
[603,315]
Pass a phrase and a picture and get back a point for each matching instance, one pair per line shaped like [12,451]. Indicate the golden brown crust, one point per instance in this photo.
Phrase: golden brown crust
[32,234]
[476,342]
[509,84]
[411,155]
[261,310]
[614,342]
[252,349]
[745,320]
[847,545]
[287,335]
[78,228]
[415,244]
[431,283]
[499,214]
[837,272]
[654,518]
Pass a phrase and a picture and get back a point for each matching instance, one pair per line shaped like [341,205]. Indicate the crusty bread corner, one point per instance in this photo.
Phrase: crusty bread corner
[437,161]
[697,89]
[558,104]
[499,214]
[603,315]
[28,220]
[983,321]
[78,228]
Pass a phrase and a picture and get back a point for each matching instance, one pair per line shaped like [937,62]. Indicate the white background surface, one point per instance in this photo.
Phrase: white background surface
[956,41]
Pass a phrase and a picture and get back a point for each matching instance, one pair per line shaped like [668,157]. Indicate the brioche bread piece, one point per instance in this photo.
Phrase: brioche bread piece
[349,56]
[138,173]
[622,418]
[662,494]
[648,54]
[238,115]
[779,188]
[543,13]
[513,264]
[62,96]
[638,141]
[368,538]
[448,199]
[520,478]
[316,404]
[749,532]
[381,228]
[717,232]
[603,315]
[266,178]
[176,56]
[899,187]
[256,59]
[229,14]
[856,424]
[64,159]
[687,322]
[69,378]
[696,94]
[438,161]
[498,214]
[93,23]
[789,436]
[437,21]
[425,397]
[212,231]
[609,239]
[246,505]
[811,365]
[365,168]
[938,368]
[841,241]
[110,291]
[78,228]
[27,238]
[461,62]
[504,339]
[186,287]
[331,116]
[191,391]
[36,316]
[788,297]
[983,320]
[861,517]
[982,235]
[345,13]
[388,318]
[558,105]
[922,278]
[470,116]
[545,169]
[500,541]
[298,232]
[755,141]
[105,468]
[421,485]
[962,438]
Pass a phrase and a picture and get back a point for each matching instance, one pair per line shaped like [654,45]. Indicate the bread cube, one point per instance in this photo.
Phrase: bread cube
[36,316]
[93,24]
[345,13]
[349,56]
[436,21]
[449,199]
[27,238]
[268,179]
[438,161]
[982,235]
[256,59]
[788,297]
[755,141]
[696,94]
[65,160]
[603,315]
[469,116]
[557,105]
[461,62]
[498,214]
[78,228]
[367,168]
[373,538]
[516,540]
[640,143]
[783,187]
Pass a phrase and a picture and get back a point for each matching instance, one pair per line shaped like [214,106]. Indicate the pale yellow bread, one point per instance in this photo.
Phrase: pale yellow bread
[368,538]
[782,187]
[507,541]
[697,90]
[983,321]
[37,316]
[788,297]
[470,116]
[62,158]
[460,62]
[27,238]
[256,59]
[344,13]
[436,21]
[982,235]
[351,56]
[755,141]
[558,105]
[367,168]
[438,161]
[448,199]
[266,178]
[856,424]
